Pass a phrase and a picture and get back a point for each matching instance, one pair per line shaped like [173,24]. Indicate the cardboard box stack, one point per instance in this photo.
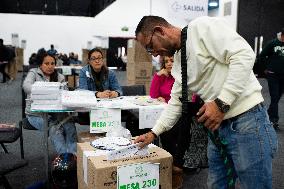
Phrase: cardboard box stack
[102,174]
[139,65]
[85,56]
[19,58]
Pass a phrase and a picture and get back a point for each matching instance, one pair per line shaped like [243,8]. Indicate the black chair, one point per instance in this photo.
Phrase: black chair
[8,161]
[132,121]
[134,90]
[24,123]
[11,135]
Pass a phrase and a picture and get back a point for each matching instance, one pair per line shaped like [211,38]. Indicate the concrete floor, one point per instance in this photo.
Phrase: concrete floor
[10,112]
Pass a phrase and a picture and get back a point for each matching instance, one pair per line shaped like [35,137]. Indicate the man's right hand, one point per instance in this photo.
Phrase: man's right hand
[145,139]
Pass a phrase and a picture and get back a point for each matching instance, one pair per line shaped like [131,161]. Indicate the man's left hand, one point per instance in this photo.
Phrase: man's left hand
[210,115]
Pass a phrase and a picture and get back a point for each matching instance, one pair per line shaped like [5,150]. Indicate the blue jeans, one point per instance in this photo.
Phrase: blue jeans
[252,143]
[64,138]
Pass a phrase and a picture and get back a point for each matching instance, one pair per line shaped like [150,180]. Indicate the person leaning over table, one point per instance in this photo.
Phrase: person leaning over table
[64,138]
[96,76]
[219,70]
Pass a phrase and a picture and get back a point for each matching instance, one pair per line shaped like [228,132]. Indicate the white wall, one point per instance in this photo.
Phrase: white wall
[67,33]
[232,19]
[71,33]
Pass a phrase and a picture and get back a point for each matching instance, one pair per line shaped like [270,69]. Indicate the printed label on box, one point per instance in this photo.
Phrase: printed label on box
[103,119]
[140,175]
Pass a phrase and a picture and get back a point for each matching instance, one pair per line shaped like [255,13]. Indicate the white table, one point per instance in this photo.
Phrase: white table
[123,102]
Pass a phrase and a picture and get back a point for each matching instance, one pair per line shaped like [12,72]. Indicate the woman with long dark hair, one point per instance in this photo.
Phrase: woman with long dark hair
[64,137]
[96,76]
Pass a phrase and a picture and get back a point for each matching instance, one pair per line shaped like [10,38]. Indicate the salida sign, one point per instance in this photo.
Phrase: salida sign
[188,9]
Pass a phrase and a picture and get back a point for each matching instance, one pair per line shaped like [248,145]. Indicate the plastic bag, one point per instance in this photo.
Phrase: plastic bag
[119,132]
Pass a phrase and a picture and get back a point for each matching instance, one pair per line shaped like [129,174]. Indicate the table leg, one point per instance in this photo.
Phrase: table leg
[46,157]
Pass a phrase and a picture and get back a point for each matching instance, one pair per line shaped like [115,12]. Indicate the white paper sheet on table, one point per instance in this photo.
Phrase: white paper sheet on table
[123,102]
[148,115]
[79,99]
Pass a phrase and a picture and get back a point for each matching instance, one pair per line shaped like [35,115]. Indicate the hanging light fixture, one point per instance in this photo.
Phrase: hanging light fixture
[213,4]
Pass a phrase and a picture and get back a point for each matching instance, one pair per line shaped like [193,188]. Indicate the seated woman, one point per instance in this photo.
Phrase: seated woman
[163,81]
[160,89]
[64,138]
[96,76]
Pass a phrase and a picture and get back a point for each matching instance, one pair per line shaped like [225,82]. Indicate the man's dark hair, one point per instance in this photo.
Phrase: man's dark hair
[147,23]
[282,31]
[1,41]
[51,46]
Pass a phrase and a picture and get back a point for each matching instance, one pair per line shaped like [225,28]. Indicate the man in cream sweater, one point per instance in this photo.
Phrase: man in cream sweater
[219,69]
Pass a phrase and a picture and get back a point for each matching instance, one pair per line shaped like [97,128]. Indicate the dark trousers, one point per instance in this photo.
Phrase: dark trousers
[276,86]
[169,139]
[176,141]
[2,70]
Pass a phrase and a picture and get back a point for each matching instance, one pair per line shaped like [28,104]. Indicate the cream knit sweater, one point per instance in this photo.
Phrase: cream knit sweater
[219,64]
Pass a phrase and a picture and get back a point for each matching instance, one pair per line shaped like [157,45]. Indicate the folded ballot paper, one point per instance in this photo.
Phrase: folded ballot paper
[78,99]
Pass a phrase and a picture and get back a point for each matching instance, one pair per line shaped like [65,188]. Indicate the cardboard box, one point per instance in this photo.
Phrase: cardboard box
[71,83]
[86,136]
[141,71]
[85,56]
[19,58]
[136,52]
[101,174]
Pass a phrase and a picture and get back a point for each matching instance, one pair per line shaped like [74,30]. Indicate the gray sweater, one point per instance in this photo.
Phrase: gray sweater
[34,75]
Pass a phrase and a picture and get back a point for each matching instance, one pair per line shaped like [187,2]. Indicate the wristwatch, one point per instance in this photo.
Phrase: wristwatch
[223,106]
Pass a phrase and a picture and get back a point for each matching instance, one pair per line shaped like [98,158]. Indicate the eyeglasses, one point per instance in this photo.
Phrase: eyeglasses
[149,46]
[92,59]
[49,63]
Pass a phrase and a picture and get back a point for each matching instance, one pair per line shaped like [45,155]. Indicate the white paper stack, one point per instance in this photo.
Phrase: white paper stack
[46,96]
[79,99]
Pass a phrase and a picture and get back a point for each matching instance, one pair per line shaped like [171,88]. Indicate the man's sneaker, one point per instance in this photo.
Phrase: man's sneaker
[276,126]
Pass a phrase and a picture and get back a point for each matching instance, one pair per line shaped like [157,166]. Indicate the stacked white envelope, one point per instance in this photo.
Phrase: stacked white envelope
[79,99]
[46,96]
